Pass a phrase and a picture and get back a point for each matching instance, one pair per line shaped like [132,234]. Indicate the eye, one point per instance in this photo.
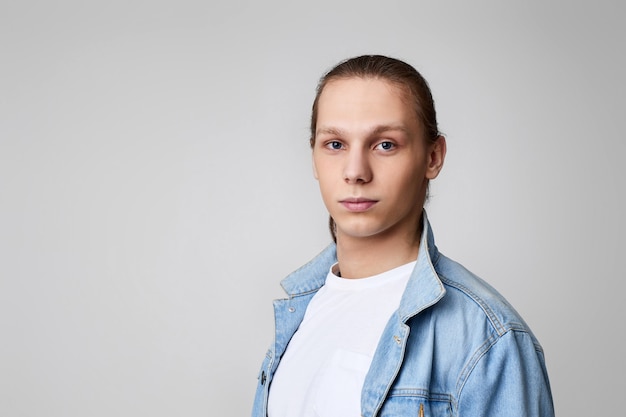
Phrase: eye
[334,145]
[385,146]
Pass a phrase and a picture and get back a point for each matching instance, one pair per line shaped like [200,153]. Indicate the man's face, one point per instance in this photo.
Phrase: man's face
[370,158]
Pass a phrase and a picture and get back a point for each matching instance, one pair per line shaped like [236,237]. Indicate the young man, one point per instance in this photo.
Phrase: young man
[381,323]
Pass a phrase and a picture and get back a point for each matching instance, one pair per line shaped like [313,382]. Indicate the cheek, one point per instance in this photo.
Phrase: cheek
[325,180]
[324,170]
[405,178]
[407,189]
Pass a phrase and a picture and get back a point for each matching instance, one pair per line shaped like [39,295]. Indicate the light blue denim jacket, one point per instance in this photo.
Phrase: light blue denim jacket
[454,347]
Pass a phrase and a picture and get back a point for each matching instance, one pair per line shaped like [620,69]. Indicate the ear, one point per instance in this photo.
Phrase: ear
[436,156]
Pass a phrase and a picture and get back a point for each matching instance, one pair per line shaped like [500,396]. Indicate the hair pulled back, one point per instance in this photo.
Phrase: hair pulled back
[397,72]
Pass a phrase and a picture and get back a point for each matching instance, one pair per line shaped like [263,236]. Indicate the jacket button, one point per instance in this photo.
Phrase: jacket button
[263,378]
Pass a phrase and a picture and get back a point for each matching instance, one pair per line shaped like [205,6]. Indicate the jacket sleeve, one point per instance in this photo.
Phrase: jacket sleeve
[508,379]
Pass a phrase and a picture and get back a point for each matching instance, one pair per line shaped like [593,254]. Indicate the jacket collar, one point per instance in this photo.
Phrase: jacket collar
[423,289]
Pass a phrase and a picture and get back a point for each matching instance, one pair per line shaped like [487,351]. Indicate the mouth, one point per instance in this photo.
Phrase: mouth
[358,204]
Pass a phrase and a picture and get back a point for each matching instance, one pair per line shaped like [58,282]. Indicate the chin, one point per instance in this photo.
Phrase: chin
[359,231]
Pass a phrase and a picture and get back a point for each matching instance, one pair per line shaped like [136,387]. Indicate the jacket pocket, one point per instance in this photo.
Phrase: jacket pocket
[416,403]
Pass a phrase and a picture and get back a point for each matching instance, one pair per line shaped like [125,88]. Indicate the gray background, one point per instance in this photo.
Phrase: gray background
[155,186]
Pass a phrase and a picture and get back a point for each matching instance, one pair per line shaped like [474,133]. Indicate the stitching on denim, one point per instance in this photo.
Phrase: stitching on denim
[302,294]
[481,352]
[421,393]
[498,326]
[471,364]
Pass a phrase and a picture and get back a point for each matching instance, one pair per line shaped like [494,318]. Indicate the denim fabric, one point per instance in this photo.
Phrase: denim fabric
[454,347]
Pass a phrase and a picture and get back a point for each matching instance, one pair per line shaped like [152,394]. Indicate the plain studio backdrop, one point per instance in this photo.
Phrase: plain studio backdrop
[156,185]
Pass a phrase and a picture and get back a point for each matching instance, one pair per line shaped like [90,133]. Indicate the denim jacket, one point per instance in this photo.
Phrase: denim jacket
[454,347]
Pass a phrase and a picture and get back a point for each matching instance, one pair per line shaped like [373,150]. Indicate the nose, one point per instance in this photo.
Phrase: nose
[357,167]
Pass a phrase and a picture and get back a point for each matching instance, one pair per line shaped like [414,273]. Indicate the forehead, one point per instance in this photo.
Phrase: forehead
[363,87]
[355,99]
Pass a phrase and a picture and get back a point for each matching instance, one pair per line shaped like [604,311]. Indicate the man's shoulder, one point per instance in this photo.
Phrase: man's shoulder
[474,295]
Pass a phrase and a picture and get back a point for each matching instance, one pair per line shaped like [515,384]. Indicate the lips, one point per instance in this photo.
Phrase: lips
[358,204]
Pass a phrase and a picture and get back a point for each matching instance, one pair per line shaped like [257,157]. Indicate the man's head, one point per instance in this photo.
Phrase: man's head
[375,146]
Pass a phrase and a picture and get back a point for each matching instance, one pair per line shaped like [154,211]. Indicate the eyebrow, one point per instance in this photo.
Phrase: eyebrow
[377,130]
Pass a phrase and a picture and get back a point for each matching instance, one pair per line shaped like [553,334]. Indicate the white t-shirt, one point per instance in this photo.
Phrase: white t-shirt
[323,369]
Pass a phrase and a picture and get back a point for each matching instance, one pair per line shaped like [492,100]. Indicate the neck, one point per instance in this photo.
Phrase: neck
[361,257]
